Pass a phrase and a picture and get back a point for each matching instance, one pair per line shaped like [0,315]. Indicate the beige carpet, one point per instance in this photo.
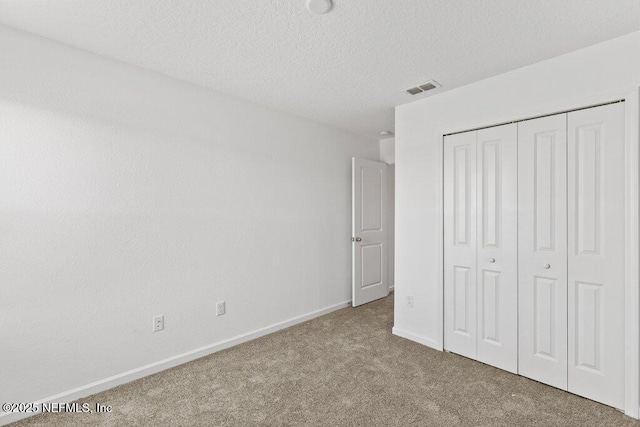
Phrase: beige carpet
[341,369]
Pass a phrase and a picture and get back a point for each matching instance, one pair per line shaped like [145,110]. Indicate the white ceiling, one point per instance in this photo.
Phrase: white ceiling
[347,68]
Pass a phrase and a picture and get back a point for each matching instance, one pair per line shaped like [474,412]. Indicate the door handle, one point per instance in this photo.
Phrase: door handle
[547,266]
[492,260]
[356,239]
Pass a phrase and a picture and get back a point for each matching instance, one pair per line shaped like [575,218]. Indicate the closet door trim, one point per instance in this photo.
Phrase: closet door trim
[632,250]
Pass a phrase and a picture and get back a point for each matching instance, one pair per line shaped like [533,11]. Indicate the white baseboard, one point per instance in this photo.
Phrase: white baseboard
[152,368]
[391,288]
[416,338]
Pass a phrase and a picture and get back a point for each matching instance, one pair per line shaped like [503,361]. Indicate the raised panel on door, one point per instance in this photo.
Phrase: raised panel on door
[596,253]
[542,250]
[460,243]
[497,259]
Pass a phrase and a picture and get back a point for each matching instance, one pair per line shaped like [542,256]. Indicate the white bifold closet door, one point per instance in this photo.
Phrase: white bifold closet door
[480,270]
[534,249]
[498,246]
[460,250]
[596,253]
[571,251]
[542,249]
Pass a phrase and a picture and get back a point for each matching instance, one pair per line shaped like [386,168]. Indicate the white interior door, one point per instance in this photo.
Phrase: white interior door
[596,253]
[542,249]
[369,225]
[460,243]
[497,242]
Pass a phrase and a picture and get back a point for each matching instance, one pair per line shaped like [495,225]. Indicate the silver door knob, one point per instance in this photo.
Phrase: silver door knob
[356,239]
[492,260]
[547,266]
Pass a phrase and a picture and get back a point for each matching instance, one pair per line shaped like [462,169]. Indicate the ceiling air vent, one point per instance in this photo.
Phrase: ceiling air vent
[431,84]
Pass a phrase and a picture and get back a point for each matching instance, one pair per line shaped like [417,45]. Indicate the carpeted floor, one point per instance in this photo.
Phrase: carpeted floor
[341,369]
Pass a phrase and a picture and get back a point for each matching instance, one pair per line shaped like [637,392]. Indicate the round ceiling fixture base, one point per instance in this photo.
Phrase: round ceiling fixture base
[319,7]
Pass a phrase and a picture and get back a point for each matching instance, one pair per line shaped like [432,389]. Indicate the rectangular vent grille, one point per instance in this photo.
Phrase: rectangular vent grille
[431,84]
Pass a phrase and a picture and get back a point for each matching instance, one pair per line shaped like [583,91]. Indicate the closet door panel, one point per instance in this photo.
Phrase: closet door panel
[460,243]
[596,253]
[497,246]
[542,250]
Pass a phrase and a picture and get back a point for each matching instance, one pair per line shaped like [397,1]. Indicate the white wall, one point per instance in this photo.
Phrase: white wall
[391,210]
[388,155]
[125,194]
[388,150]
[569,81]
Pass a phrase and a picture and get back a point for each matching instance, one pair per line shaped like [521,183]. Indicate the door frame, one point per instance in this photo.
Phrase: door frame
[631,97]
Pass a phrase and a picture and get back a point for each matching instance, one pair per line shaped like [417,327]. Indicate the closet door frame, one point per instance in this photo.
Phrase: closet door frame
[631,98]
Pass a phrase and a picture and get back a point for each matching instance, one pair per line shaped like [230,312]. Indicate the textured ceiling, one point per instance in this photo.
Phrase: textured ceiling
[347,68]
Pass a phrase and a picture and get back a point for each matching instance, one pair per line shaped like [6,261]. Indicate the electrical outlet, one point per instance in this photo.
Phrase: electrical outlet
[158,323]
[221,308]
[410,301]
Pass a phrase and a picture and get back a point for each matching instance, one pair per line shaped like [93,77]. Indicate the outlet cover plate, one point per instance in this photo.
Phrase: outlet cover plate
[158,323]
[221,308]
[410,301]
